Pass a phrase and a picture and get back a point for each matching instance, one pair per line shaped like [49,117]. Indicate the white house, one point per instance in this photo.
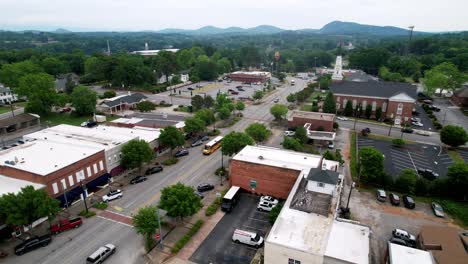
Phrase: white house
[6,95]
[322,181]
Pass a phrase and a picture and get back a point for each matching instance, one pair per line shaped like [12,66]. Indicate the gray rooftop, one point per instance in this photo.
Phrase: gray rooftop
[325,176]
[375,89]
[128,99]
[311,202]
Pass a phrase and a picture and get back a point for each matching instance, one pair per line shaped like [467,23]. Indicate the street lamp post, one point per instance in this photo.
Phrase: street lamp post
[349,195]
[84,196]
[160,232]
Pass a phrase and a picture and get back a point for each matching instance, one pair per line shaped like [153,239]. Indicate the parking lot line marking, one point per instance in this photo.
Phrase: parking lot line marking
[414,154]
[251,248]
[114,221]
[251,228]
[401,159]
[412,161]
[260,220]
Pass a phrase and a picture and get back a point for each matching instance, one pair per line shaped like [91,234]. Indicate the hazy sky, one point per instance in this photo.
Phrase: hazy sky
[425,15]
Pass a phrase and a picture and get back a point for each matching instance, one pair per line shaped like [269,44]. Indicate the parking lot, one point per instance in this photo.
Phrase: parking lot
[464,154]
[425,120]
[213,88]
[218,247]
[411,156]
[382,218]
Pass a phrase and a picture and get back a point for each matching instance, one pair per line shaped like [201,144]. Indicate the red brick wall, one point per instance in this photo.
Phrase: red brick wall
[407,111]
[63,173]
[315,124]
[273,181]
[248,78]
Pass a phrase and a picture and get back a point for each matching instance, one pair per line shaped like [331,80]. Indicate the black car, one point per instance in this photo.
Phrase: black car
[205,138]
[188,135]
[138,179]
[408,201]
[154,170]
[230,90]
[205,187]
[428,174]
[32,243]
[399,241]
[239,86]
[241,89]
[407,130]
[197,142]
[190,88]
[180,153]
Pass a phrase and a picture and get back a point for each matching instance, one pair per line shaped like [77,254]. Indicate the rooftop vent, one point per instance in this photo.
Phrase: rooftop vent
[260,157]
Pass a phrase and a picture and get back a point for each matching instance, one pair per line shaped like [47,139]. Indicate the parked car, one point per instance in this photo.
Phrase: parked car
[394,199]
[269,199]
[428,174]
[65,225]
[205,138]
[199,194]
[408,201]
[89,124]
[331,145]
[138,179]
[65,110]
[230,90]
[235,92]
[423,133]
[265,206]
[197,142]
[438,210]
[342,118]
[239,86]
[154,170]
[181,153]
[32,243]
[366,131]
[276,100]
[112,195]
[427,101]
[289,133]
[404,235]
[418,124]
[241,89]
[407,130]
[190,88]
[101,254]
[381,195]
[398,241]
[204,187]
[248,238]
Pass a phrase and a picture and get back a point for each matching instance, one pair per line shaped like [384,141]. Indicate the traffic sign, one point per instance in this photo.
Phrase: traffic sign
[157,236]
[253,184]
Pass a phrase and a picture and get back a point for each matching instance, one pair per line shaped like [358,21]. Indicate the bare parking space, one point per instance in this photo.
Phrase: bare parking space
[233,89]
[411,156]
[218,247]
[382,218]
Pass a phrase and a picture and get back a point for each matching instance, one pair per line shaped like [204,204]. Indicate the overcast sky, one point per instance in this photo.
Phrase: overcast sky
[425,15]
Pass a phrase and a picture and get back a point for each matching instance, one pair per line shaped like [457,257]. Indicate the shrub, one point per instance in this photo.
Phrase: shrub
[213,133]
[175,109]
[336,125]
[220,171]
[100,206]
[213,207]
[170,161]
[398,142]
[186,238]
[87,214]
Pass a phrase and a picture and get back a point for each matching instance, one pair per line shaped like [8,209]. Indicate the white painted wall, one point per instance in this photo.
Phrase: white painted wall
[313,186]
[276,254]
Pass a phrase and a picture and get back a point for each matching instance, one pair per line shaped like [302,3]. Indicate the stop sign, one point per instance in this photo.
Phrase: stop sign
[157,236]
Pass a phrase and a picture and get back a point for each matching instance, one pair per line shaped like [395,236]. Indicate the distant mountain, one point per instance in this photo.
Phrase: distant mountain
[347,28]
[210,30]
[62,31]
[264,29]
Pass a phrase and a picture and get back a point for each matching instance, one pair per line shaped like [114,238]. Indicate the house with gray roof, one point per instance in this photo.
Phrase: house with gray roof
[395,100]
[322,180]
[66,79]
[6,95]
[120,103]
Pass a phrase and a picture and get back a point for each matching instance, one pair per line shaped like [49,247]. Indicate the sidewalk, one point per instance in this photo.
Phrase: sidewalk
[158,255]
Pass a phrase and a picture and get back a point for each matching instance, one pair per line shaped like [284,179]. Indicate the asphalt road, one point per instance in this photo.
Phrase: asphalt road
[74,246]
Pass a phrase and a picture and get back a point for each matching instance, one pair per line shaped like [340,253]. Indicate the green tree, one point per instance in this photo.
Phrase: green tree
[259,132]
[146,106]
[324,83]
[54,66]
[348,111]
[301,135]
[453,135]
[329,106]
[206,115]
[329,155]
[235,142]
[28,206]
[84,100]
[458,179]
[240,106]
[39,89]
[444,76]
[109,94]
[273,214]
[10,74]
[368,111]
[224,113]
[135,153]
[171,137]
[257,95]
[398,142]
[378,113]
[279,111]
[146,223]
[194,125]
[221,101]
[197,102]
[292,143]
[291,98]
[406,183]
[371,165]
[208,101]
[205,68]
[179,201]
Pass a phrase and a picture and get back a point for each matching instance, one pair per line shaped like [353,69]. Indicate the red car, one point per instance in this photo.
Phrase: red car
[65,225]
[65,110]
[234,92]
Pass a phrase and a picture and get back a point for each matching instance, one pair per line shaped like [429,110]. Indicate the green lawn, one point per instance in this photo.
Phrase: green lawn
[306,107]
[54,119]
[455,156]
[458,210]
[314,96]
[7,108]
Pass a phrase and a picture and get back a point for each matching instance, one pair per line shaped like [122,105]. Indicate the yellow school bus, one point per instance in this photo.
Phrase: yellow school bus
[213,145]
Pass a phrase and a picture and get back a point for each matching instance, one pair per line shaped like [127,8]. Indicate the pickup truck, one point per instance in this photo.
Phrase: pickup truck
[65,225]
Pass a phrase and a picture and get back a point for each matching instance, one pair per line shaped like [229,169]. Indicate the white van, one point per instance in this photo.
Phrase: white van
[101,254]
[248,238]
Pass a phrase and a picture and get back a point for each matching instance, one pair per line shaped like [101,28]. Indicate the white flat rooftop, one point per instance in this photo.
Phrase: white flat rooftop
[403,255]
[349,242]
[278,157]
[251,72]
[131,121]
[299,230]
[143,133]
[43,157]
[11,185]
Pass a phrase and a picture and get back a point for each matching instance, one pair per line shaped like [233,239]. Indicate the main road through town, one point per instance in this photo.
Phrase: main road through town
[75,245]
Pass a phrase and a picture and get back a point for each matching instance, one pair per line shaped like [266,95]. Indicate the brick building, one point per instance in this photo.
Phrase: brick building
[250,77]
[59,167]
[395,99]
[460,97]
[317,121]
[273,171]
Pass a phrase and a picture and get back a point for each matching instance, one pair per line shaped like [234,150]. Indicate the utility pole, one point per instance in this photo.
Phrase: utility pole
[84,196]
[409,41]
[349,196]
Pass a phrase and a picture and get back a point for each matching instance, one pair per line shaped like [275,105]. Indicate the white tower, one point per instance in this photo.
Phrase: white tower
[146,46]
[338,72]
